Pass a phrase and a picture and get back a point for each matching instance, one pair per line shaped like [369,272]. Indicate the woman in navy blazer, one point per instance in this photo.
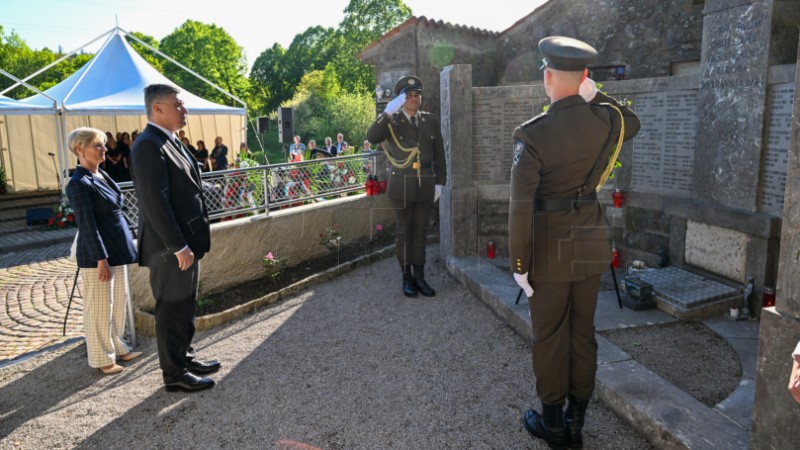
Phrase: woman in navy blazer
[104,248]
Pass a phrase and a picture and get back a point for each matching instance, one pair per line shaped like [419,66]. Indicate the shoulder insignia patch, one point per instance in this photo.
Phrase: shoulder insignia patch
[519,147]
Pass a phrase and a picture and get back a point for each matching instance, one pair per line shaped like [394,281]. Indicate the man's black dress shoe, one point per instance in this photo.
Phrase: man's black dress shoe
[188,383]
[203,367]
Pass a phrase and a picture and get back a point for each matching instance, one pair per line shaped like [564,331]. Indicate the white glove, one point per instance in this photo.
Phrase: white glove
[395,104]
[588,89]
[522,281]
[437,193]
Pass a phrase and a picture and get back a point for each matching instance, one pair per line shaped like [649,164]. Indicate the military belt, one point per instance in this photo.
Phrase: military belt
[563,204]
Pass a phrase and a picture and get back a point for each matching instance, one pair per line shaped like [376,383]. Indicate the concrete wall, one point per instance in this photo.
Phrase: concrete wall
[238,246]
[776,417]
[646,37]
[653,219]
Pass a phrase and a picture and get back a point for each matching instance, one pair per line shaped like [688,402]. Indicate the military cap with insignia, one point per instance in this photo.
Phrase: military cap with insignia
[565,53]
[405,84]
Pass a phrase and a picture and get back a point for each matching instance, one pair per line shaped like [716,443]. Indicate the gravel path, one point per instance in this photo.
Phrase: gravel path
[350,364]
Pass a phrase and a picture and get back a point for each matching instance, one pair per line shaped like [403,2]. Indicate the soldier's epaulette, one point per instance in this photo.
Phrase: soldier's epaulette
[533,120]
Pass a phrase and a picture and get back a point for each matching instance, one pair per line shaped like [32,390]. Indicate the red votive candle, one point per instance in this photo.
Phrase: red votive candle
[618,196]
[768,299]
[615,257]
[491,249]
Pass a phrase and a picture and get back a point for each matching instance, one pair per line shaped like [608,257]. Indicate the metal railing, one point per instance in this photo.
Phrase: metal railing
[235,192]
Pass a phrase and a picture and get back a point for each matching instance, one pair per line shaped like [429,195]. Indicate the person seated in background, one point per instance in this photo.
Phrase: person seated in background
[219,154]
[188,145]
[134,135]
[124,146]
[114,163]
[329,147]
[201,155]
[296,150]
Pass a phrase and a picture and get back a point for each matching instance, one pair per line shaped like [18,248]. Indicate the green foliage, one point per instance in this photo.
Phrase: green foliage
[322,108]
[273,267]
[211,52]
[331,238]
[20,60]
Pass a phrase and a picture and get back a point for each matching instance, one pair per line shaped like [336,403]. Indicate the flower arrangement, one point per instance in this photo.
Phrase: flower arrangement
[331,238]
[273,266]
[64,218]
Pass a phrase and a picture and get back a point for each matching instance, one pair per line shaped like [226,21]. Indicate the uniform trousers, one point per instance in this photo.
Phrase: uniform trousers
[410,238]
[564,346]
[175,291]
[104,315]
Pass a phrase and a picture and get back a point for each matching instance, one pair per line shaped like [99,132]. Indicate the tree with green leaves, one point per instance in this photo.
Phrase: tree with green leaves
[211,52]
[18,59]
[364,22]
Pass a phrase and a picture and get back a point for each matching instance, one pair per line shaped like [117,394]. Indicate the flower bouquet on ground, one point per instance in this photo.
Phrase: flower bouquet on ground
[64,218]
[273,266]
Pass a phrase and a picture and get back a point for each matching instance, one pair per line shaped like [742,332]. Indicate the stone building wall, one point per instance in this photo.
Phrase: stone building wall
[423,47]
[646,37]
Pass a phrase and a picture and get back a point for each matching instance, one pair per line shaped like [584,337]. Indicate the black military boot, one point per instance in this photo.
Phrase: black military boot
[549,426]
[573,419]
[419,280]
[409,288]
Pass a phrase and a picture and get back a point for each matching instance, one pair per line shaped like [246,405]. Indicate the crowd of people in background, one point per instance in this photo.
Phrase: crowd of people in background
[299,152]
[117,162]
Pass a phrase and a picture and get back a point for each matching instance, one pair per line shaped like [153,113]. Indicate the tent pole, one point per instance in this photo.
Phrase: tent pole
[53,64]
[185,68]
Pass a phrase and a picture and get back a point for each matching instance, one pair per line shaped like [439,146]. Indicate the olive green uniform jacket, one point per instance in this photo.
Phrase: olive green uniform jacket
[554,154]
[403,183]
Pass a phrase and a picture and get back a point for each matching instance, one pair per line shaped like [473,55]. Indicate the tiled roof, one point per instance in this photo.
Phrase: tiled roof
[422,20]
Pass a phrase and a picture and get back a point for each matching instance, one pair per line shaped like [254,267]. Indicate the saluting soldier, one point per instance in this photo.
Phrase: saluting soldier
[558,236]
[412,141]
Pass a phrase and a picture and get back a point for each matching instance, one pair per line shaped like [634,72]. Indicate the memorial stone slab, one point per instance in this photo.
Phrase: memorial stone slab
[776,153]
[717,250]
[663,151]
[734,66]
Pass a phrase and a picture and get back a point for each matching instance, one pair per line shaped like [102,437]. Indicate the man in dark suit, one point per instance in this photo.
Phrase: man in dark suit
[174,234]
[558,241]
[412,141]
[341,145]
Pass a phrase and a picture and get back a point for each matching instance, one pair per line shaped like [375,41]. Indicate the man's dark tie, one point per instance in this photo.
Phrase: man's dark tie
[414,121]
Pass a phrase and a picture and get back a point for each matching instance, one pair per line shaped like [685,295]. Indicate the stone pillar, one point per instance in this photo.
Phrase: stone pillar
[776,416]
[734,67]
[458,217]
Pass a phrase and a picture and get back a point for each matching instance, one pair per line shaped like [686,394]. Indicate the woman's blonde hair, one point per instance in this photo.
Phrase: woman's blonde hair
[84,136]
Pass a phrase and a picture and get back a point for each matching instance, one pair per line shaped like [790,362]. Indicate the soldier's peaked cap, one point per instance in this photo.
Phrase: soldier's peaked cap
[411,83]
[565,53]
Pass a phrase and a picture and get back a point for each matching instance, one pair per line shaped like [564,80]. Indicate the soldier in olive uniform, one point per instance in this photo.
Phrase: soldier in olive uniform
[558,236]
[412,141]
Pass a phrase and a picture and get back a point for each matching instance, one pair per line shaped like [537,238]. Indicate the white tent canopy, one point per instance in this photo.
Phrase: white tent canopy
[108,93]
[25,128]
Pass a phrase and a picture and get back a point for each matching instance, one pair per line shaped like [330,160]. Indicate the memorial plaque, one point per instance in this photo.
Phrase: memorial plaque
[663,151]
[494,121]
[776,153]
[733,64]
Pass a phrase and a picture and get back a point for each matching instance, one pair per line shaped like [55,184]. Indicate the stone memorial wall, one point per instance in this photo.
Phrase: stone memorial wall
[494,121]
[663,151]
[776,154]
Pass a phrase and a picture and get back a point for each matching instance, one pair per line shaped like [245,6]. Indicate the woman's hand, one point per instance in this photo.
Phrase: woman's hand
[103,270]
